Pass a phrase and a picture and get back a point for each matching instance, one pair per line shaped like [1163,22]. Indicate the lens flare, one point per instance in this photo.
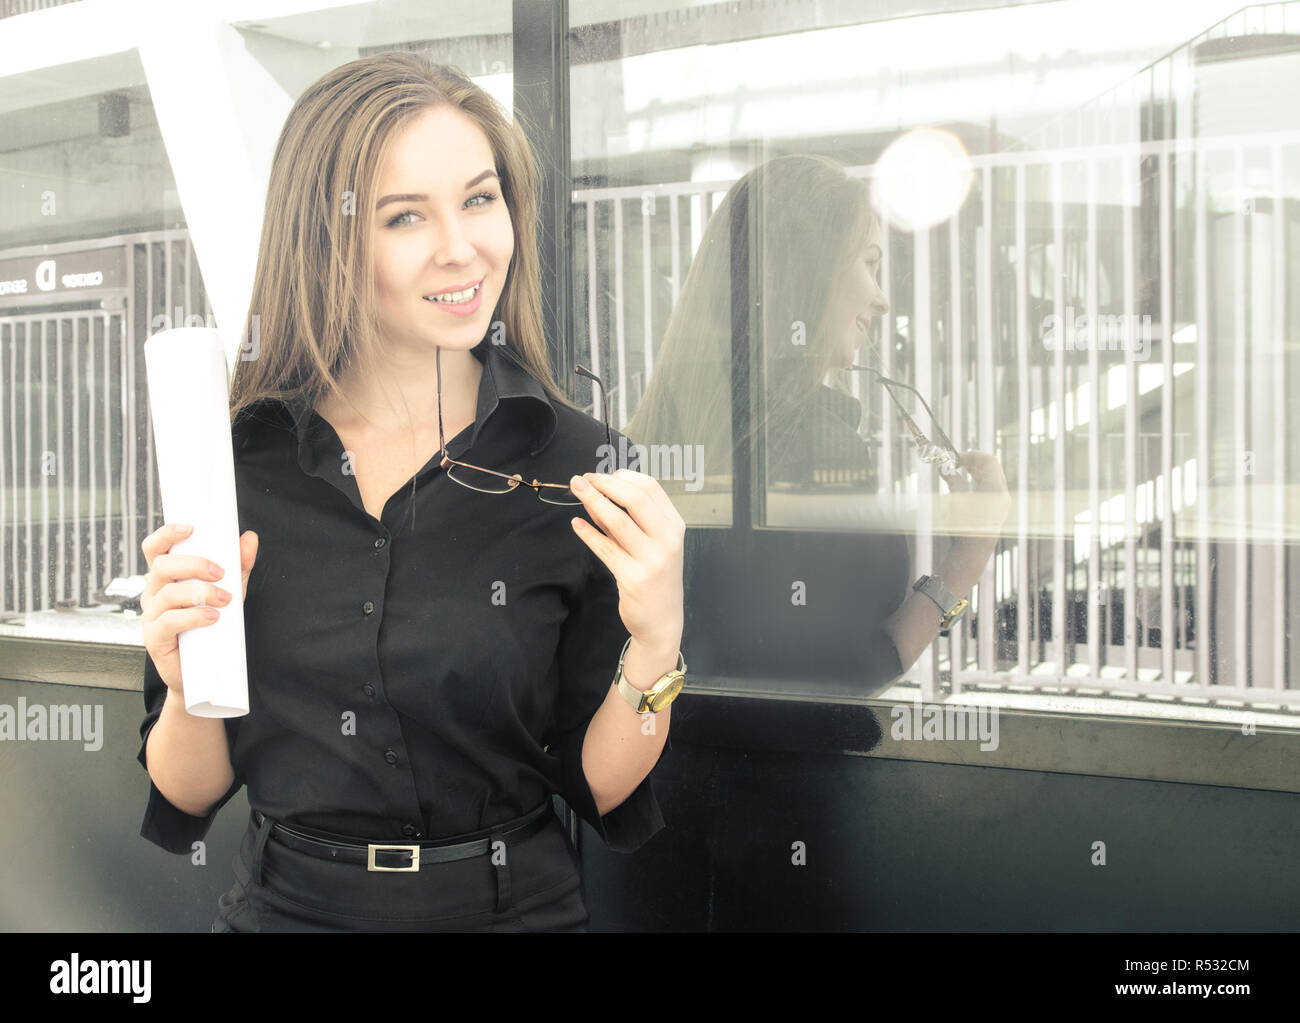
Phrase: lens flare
[921,179]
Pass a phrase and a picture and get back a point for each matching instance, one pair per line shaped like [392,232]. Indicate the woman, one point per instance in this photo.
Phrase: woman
[420,684]
[778,300]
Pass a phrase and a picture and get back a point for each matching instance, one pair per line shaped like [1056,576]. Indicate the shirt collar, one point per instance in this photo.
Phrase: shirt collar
[842,404]
[502,378]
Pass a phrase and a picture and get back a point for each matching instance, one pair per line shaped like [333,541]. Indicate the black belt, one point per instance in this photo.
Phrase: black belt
[409,856]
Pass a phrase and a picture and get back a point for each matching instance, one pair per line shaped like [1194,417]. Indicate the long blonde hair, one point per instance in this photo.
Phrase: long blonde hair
[764,272]
[314,293]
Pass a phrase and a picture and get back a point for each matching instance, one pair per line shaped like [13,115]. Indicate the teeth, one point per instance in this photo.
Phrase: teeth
[455,297]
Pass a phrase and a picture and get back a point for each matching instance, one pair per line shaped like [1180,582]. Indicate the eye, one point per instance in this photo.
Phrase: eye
[487,197]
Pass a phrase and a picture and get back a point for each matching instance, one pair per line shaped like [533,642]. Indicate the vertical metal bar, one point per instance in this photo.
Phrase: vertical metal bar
[191,273]
[92,447]
[79,590]
[41,479]
[921,342]
[1059,585]
[130,443]
[171,311]
[5,332]
[1203,368]
[620,329]
[115,326]
[593,321]
[1025,597]
[151,501]
[106,565]
[697,222]
[8,487]
[1095,597]
[888,470]
[1128,170]
[647,287]
[540,34]
[60,465]
[1168,632]
[956,348]
[986,429]
[1278,280]
[1241,430]
[675,229]
[29,603]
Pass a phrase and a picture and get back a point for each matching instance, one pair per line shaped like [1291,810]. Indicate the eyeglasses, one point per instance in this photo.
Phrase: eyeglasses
[943,456]
[486,481]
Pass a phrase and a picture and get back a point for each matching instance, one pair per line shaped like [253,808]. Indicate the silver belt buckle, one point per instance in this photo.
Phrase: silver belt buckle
[414,850]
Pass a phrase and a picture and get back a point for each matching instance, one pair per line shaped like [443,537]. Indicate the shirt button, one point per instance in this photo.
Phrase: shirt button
[369,690]
[410,830]
[390,756]
[379,542]
[368,607]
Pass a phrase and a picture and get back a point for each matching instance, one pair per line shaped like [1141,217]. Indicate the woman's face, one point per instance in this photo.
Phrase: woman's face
[440,225]
[856,299]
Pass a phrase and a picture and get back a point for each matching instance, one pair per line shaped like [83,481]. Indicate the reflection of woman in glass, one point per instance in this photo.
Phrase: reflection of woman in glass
[779,297]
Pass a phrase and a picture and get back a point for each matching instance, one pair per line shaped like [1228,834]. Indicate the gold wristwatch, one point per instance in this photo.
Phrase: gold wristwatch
[659,695]
[951,606]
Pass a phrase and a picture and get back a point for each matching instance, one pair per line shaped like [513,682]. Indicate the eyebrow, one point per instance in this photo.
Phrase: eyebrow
[422,197]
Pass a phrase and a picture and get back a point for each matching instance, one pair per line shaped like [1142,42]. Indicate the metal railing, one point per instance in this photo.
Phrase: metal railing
[78,483]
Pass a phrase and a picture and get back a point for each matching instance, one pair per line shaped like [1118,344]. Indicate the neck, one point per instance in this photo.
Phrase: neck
[405,396]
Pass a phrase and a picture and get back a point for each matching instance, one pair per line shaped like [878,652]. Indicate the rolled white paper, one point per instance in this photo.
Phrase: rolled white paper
[189,399]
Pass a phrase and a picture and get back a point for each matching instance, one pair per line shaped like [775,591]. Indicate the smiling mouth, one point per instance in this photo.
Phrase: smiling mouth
[456,297]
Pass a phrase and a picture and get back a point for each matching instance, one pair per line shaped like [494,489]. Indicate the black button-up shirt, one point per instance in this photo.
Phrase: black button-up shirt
[431,672]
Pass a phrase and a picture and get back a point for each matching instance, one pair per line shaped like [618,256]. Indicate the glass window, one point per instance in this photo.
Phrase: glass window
[824,265]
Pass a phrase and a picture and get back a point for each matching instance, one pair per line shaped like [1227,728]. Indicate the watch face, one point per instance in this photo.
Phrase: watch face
[663,697]
[958,609]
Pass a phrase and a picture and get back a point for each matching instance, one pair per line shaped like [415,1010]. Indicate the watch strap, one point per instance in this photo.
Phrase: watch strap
[640,699]
[949,604]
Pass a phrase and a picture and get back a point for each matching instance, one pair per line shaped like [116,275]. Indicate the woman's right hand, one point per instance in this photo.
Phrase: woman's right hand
[176,590]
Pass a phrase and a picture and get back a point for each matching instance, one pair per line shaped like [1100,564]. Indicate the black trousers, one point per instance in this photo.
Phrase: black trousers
[278,889]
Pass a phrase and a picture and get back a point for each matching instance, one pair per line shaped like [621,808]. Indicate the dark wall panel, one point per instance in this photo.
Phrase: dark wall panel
[890,845]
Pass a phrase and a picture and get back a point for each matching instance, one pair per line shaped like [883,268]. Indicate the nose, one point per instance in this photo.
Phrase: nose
[453,245]
[879,304]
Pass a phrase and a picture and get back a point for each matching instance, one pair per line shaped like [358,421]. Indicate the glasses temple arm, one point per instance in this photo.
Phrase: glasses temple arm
[604,399]
[887,381]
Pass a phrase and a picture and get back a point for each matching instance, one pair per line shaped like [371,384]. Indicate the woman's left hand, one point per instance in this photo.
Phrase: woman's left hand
[641,546]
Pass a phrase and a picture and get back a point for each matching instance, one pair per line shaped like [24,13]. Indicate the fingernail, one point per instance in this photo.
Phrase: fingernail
[578,483]
[185,529]
[215,570]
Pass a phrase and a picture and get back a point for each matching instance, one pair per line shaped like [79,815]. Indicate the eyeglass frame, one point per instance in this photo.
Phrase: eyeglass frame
[516,479]
[917,434]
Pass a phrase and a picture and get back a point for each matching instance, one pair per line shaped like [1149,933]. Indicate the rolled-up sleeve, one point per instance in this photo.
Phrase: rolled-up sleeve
[164,825]
[591,641]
